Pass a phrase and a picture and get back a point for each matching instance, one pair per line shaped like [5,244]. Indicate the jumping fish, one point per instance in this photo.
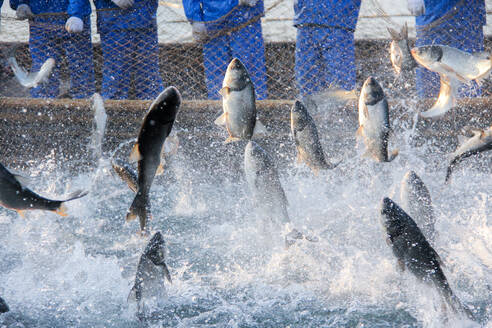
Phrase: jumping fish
[98,125]
[3,306]
[30,80]
[416,201]
[155,128]
[17,197]
[400,56]
[239,104]
[414,253]
[374,125]
[454,66]
[152,272]
[306,138]
[480,142]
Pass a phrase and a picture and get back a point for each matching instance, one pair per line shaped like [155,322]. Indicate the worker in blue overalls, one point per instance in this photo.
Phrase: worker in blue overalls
[228,29]
[325,46]
[58,30]
[455,23]
[128,30]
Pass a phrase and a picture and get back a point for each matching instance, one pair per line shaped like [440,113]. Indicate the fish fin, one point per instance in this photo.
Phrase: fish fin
[393,33]
[404,31]
[393,155]
[260,129]
[445,101]
[358,133]
[76,195]
[132,296]
[130,216]
[160,168]
[460,77]
[315,171]
[366,111]
[221,120]
[401,265]
[135,155]
[62,210]
[224,92]
[231,139]
[21,213]
[166,273]
[299,158]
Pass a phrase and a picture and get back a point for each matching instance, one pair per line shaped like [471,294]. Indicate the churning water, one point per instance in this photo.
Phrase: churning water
[227,270]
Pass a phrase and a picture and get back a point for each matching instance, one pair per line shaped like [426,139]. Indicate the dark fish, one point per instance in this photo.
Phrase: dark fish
[374,125]
[152,272]
[155,128]
[480,142]
[416,201]
[15,196]
[3,306]
[414,253]
[306,138]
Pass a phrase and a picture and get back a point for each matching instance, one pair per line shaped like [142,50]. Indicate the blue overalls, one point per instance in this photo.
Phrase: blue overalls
[325,46]
[49,39]
[230,36]
[455,23]
[130,49]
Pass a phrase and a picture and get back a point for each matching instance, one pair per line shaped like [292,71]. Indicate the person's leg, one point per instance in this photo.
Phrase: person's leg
[78,49]
[247,44]
[216,57]
[147,76]
[338,52]
[307,64]
[43,45]
[116,50]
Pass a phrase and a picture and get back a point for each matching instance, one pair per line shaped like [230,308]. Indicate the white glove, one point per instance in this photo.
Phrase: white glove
[199,31]
[74,25]
[123,4]
[250,3]
[23,12]
[416,7]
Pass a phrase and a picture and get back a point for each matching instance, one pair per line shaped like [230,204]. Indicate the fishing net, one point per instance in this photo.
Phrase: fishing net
[137,63]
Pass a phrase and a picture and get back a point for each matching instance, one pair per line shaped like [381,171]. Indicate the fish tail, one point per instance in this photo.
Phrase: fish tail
[393,155]
[456,305]
[140,208]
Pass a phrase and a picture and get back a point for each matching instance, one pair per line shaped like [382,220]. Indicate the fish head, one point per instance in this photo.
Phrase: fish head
[371,92]
[156,249]
[299,116]
[391,218]
[236,76]
[427,55]
[166,105]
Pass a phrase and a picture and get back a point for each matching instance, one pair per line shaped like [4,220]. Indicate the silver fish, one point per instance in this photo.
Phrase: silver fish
[264,183]
[306,138]
[414,253]
[152,272]
[374,126]
[400,56]
[31,80]
[98,125]
[17,197]
[454,66]
[480,142]
[155,128]
[416,201]
[239,104]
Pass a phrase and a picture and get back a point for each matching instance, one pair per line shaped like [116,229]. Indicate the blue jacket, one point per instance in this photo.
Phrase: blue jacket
[110,17]
[469,10]
[327,13]
[221,14]
[76,8]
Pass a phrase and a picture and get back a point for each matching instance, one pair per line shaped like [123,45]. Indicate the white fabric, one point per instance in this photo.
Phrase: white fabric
[250,3]
[123,4]
[74,25]
[199,31]
[23,12]
[416,7]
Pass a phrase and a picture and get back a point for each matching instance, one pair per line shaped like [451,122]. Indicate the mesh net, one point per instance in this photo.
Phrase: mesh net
[284,61]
